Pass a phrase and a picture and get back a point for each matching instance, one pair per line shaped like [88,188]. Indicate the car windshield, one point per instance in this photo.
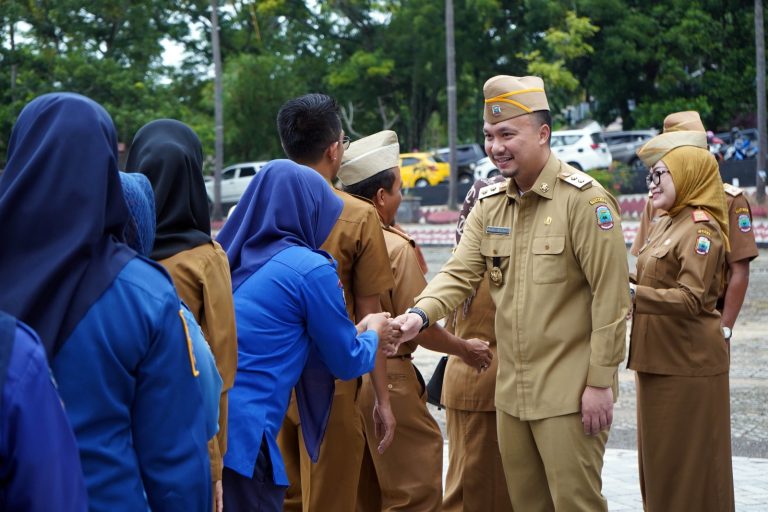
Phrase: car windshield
[564,140]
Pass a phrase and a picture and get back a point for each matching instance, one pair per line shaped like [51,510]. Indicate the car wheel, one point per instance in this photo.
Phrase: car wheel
[421,183]
[494,172]
[465,178]
[575,166]
[637,165]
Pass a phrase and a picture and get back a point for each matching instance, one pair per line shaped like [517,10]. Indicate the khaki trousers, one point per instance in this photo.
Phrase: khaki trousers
[551,465]
[409,474]
[475,479]
[331,484]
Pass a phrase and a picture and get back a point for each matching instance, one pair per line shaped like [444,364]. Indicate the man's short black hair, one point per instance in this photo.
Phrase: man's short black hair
[307,126]
[369,186]
[543,117]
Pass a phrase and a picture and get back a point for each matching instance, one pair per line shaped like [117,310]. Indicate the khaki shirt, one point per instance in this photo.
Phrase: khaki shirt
[463,387]
[676,328]
[357,244]
[563,298]
[409,280]
[202,279]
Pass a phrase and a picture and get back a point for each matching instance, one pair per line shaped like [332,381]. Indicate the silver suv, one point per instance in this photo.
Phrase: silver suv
[234,181]
[624,146]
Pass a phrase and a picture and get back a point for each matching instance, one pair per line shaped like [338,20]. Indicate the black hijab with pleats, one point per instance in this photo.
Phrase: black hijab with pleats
[169,153]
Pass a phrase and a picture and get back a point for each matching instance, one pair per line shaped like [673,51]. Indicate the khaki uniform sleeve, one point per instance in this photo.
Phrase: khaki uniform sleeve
[602,256]
[460,275]
[371,271]
[218,324]
[409,281]
[740,234]
[642,231]
[697,271]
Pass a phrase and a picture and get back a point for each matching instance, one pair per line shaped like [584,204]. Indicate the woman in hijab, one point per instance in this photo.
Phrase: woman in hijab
[677,346]
[109,321]
[291,323]
[169,153]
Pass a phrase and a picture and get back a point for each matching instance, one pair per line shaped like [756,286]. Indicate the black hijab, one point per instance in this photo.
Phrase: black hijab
[62,215]
[169,153]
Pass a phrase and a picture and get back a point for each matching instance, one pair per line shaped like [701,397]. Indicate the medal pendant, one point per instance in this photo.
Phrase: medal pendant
[496,276]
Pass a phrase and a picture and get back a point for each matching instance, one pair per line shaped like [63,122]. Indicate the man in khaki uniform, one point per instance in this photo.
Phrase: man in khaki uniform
[408,476]
[552,244]
[475,478]
[740,234]
[311,134]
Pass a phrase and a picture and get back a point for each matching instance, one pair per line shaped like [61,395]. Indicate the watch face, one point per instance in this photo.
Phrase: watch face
[727,332]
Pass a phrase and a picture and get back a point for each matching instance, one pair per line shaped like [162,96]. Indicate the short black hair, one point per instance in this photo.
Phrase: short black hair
[307,126]
[543,117]
[369,186]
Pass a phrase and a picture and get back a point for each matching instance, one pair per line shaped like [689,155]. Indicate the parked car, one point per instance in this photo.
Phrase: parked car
[422,170]
[623,146]
[583,149]
[467,157]
[234,181]
[485,169]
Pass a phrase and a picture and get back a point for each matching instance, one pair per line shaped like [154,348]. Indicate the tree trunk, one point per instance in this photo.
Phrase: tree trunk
[450,61]
[218,111]
[760,62]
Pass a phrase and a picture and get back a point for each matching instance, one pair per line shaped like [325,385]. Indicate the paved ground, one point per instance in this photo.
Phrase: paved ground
[749,395]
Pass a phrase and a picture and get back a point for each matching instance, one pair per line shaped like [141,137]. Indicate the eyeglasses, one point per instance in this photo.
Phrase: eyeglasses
[655,177]
[345,141]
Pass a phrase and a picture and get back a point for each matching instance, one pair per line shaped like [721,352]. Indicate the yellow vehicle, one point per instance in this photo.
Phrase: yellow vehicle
[422,170]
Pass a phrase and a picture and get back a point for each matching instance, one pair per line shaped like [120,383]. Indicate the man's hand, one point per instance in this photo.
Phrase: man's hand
[384,423]
[387,329]
[219,495]
[596,409]
[410,325]
[477,354]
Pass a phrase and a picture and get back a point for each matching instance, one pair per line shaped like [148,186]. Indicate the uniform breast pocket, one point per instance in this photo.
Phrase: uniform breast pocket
[549,259]
[654,264]
[499,247]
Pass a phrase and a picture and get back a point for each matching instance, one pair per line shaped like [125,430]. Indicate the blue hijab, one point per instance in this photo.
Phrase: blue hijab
[137,191]
[285,204]
[62,215]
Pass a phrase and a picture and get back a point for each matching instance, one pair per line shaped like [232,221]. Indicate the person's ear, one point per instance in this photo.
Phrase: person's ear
[333,151]
[544,133]
[380,197]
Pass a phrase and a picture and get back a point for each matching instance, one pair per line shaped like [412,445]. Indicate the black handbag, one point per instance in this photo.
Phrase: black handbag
[435,385]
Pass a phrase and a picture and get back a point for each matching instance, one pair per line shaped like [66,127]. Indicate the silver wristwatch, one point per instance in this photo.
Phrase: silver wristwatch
[727,333]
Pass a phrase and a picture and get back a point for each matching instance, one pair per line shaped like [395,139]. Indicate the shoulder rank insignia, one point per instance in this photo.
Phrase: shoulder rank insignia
[492,190]
[577,179]
[703,245]
[731,190]
[699,216]
[745,223]
[604,217]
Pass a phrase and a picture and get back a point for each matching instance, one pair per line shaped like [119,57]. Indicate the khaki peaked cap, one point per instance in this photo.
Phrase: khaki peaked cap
[680,129]
[369,156]
[511,96]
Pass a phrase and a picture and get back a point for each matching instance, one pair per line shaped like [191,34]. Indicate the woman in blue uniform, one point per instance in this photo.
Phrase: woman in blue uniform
[110,321]
[291,323]
[39,464]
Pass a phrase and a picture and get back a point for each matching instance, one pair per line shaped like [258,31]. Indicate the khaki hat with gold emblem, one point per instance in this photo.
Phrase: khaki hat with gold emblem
[511,96]
[680,129]
[369,156]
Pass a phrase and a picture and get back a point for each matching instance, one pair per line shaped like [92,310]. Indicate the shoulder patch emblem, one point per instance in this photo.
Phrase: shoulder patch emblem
[699,216]
[578,180]
[604,217]
[731,190]
[745,223]
[703,245]
[596,200]
[704,232]
[491,190]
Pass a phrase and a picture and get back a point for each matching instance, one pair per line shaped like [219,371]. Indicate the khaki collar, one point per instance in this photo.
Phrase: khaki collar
[544,184]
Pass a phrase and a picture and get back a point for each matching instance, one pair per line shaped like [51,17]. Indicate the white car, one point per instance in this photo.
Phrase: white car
[484,169]
[234,181]
[583,149]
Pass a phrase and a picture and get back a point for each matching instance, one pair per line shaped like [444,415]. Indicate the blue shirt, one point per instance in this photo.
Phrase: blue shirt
[39,464]
[126,378]
[293,304]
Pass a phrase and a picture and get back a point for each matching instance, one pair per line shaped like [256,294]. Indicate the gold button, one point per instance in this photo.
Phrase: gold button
[546,247]
[495,251]
[389,386]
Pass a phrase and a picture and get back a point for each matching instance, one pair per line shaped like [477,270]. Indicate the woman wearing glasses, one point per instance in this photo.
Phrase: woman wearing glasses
[677,346]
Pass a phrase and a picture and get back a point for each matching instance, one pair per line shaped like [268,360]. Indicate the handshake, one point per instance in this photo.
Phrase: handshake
[395,331]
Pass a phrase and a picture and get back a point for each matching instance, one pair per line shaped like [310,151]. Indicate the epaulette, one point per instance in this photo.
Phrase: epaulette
[577,179]
[699,216]
[731,190]
[399,233]
[492,190]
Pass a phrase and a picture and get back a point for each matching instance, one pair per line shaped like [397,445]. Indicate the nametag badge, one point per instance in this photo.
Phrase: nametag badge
[497,230]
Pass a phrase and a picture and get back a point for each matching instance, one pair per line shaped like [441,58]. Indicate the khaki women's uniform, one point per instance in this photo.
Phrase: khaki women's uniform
[681,360]
[357,244]
[475,479]
[740,234]
[409,474]
[202,280]
[558,269]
